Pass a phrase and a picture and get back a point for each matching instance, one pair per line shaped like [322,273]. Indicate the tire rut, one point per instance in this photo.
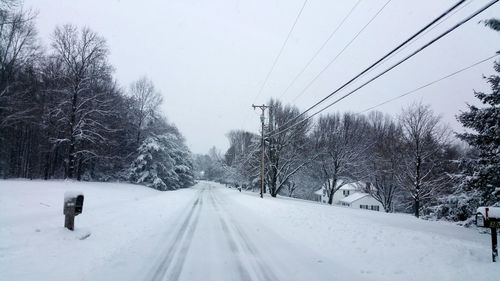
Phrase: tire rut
[261,268]
[186,230]
[242,271]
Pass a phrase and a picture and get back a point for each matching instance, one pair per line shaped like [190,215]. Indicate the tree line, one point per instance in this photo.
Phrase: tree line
[409,163]
[63,115]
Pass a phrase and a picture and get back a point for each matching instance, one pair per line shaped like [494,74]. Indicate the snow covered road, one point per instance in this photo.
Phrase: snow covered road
[209,232]
[218,240]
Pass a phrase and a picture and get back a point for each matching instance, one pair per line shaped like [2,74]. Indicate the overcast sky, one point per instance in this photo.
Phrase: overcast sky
[209,58]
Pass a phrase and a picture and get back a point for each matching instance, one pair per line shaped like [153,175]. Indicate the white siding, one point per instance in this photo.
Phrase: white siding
[339,195]
[367,200]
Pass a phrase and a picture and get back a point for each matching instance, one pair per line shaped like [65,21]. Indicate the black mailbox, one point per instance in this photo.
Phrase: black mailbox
[73,206]
[490,217]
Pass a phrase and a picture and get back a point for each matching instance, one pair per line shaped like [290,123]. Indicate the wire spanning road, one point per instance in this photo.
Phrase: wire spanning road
[218,240]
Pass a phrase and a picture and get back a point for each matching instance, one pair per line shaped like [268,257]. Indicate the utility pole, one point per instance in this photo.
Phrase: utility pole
[263,109]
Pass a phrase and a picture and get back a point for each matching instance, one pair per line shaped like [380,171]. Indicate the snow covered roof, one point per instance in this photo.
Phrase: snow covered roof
[319,192]
[354,197]
[352,186]
[355,185]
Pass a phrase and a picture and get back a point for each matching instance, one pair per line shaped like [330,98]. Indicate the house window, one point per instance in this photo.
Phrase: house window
[363,207]
[346,192]
[374,208]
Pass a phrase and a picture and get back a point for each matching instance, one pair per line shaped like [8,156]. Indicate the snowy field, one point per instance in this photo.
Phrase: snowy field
[212,233]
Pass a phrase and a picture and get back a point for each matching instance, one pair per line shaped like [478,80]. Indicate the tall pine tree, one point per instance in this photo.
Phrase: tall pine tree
[483,177]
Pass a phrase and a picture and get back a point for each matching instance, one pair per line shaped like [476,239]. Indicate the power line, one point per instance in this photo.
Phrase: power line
[422,35]
[340,53]
[433,27]
[320,49]
[491,3]
[430,83]
[280,51]
[378,61]
[276,58]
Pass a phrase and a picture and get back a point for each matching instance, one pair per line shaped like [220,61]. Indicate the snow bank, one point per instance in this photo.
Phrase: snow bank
[117,218]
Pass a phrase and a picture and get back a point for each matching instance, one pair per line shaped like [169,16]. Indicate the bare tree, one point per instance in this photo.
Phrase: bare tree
[19,49]
[423,138]
[147,100]
[84,68]
[383,159]
[342,144]
[287,149]
[243,156]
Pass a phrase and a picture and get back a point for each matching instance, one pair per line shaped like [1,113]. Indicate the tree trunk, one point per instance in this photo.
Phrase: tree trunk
[332,190]
[417,207]
[417,187]
[46,167]
[79,169]
[71,151]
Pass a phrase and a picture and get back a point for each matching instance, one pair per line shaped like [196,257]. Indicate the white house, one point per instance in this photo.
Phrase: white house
[350,195]
[345,190]
[361,201]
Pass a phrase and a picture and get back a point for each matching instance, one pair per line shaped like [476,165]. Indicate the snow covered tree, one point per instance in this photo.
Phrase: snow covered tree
[483,173]
[341,144]
[243,157]
[383,159]
[146,99]
[84,73]
[163,163]
[215,170]
[62,114]
[287,150]
[423,139]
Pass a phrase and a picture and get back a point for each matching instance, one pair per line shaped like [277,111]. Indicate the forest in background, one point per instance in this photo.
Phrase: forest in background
[63,115]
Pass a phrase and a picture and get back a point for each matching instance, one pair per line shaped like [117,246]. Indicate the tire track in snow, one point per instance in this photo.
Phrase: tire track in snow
[261,268]
[166,262]
[242,271]
[181,257]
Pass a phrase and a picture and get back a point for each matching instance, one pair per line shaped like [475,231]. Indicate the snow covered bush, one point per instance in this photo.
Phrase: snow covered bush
[163,163]
[456,207]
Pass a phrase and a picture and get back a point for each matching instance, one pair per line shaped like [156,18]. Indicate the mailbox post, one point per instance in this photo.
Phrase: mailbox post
[73,206]
[490,217]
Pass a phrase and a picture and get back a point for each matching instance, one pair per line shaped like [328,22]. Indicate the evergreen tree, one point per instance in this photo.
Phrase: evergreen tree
[483,177]
[163,163]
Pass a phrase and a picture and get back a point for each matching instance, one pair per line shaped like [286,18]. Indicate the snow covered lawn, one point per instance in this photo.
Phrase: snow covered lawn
[209,232]
[119,218]
[379,246]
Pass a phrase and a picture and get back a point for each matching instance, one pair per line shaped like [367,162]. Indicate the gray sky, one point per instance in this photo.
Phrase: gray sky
[209,58]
